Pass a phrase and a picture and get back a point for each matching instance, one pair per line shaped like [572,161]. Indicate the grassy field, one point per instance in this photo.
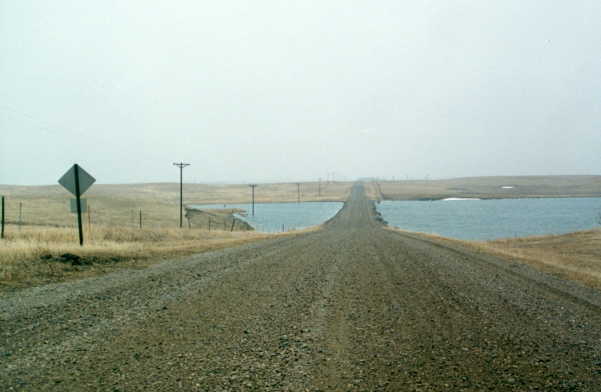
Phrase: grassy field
[575,256]
[37,255]
[120,205]
[31,253]
[492,187]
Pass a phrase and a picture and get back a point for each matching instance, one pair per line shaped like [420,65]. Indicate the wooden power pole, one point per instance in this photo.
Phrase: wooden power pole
[181,166]
[253,186]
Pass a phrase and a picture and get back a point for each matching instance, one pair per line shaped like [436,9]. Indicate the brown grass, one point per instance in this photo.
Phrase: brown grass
[113,237]
[574,256]
[33,255]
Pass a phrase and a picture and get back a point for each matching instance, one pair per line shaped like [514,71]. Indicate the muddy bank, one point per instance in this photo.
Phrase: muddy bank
[222,219]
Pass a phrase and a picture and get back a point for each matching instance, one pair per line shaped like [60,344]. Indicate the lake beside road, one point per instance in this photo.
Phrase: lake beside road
[492,219]
[269,217]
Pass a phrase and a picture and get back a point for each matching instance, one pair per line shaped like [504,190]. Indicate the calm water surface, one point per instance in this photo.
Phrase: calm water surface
[269,217]
[491,219]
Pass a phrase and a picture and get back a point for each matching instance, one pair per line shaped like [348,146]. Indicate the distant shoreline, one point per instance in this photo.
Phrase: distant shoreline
[519,187]
[485,197]
[192,206]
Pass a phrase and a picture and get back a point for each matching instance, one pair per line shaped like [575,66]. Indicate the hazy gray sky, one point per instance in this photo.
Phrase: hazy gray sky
[268,90]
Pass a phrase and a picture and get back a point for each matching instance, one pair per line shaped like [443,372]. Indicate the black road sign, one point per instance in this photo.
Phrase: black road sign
[68,180]
[76,180]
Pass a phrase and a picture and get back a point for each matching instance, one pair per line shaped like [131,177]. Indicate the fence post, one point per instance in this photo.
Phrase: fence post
[140,218]
[209,223]
[20,214]
[233,223]
[2,230]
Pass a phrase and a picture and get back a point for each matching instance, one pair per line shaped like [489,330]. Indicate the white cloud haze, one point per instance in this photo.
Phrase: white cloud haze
[272,90]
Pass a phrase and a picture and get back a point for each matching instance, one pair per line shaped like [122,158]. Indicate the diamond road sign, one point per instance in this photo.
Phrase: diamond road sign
[68,180]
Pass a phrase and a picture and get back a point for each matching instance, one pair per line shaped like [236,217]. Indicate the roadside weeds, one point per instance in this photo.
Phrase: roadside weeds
[573,256]
[41,255]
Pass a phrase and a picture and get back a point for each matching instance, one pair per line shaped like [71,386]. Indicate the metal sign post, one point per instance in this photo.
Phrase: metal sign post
[76,180]
[78,201]
[82,203]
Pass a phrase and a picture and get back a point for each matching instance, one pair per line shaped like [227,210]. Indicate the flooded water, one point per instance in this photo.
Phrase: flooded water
[274,217]
[491,219]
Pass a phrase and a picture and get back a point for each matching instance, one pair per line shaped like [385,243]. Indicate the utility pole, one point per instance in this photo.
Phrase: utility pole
[319,187]
[253,186]
[298,192]
[181,166]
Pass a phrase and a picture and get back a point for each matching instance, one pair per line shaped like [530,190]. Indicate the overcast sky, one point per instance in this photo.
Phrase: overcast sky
[273,90]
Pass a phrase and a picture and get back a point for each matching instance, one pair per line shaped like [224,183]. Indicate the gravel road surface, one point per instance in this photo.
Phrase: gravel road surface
[352,307]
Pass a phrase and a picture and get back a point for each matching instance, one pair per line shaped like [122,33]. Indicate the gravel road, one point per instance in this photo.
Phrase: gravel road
[352,307]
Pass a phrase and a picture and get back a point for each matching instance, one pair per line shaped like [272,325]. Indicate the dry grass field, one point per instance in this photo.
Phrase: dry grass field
[36,255]
[575,256]
[119,205]
[492,187]
[32,252]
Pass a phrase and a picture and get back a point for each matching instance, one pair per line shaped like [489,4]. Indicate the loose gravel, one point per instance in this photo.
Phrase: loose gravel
[353,307]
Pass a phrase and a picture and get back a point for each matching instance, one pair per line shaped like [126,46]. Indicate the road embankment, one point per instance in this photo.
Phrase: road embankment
[224,219]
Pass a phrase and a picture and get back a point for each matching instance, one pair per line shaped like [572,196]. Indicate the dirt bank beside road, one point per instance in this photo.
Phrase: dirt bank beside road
[216,219]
